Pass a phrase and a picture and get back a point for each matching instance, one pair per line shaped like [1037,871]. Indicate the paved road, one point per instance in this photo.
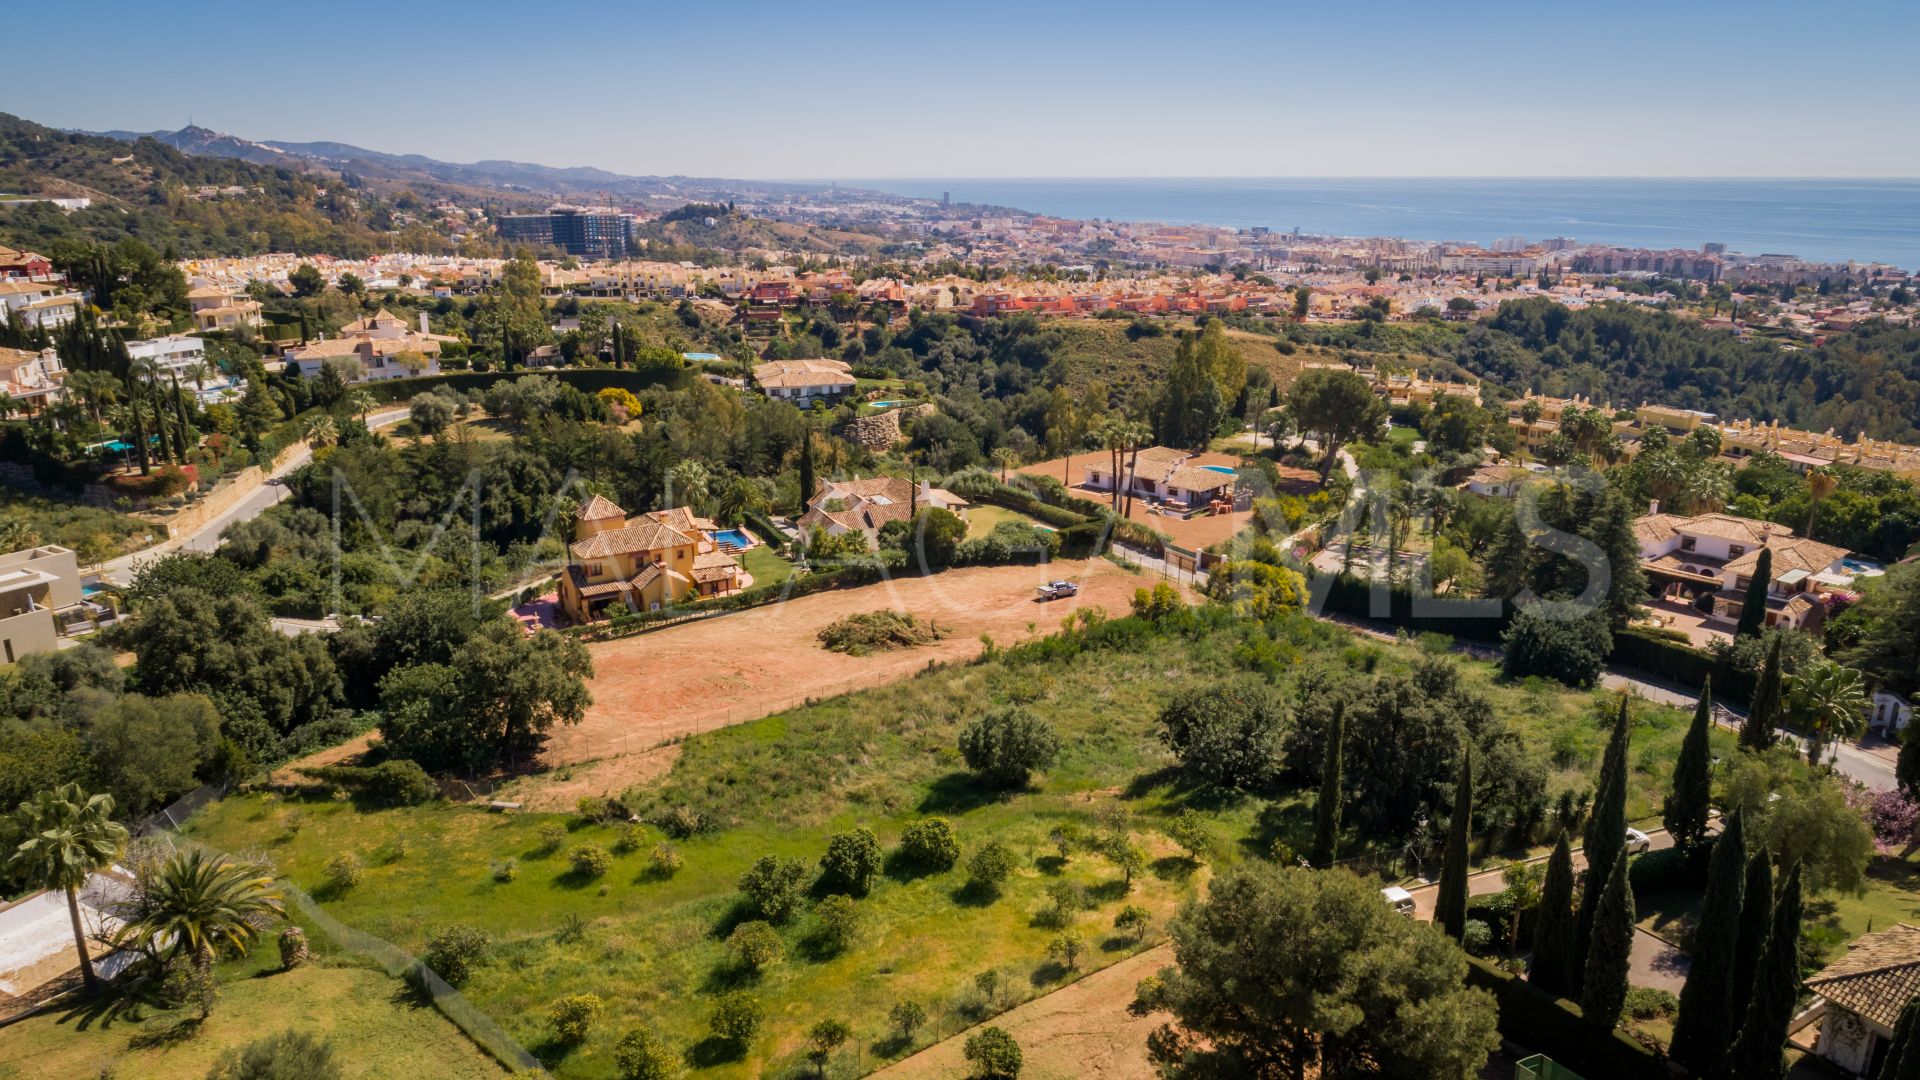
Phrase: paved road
[120,571]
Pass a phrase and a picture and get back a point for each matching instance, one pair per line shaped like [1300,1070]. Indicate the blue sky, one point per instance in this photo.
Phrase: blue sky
[856,89]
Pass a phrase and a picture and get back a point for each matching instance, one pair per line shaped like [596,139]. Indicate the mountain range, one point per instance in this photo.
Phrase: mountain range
[506,176]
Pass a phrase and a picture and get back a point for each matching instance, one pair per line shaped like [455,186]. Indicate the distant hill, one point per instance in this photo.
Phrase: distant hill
[577,182]
[146,189]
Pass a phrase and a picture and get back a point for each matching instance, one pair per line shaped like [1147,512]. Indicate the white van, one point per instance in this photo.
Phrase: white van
[1399,899]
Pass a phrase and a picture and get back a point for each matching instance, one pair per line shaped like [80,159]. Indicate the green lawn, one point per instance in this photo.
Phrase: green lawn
[654,948]
[766,567]
[379,1032]
[982,519]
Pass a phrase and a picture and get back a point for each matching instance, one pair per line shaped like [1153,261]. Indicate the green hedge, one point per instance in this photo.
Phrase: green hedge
[589,380]
[1353,597]
[1554,1027]
[1682,664]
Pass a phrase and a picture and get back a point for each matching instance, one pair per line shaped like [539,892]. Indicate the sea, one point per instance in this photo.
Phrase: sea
[1825,220]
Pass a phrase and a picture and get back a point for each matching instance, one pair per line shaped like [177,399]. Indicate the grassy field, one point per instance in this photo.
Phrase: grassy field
[379,1031]
[653,947]
[1099,350]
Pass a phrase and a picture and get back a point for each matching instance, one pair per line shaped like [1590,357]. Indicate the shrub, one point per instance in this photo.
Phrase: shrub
[1189,830]
[453,951]
[929,845]
[1066,948]
[504,872]
[665,859]
[906,1018]
[574,1015]
[642,1055]
[993,1054]
[552,835]
[1559,642]
[1227,735]
[990,865]
[824,1038]
[1646,1003]
[591,808]
[852,862]
[771,887]
[288,1055]
[1066,838]
[399,782]
[630,838]
[754,945]
[680,822]
[1476,936]
[590,860]
[878,631]
[837,920]
[1005,746]
[1133,921]
[344,871]
[736,1018]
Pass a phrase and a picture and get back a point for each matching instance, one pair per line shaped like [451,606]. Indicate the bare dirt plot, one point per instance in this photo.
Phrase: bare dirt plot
[719,671]
[1079,1030]
[1193,533]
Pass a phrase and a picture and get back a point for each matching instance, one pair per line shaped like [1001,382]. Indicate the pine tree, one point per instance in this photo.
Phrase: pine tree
[1903,1057]
[1755,1054]
[1553,927]
[1450,907]
[1756,921]
[1706,1022]
[1756,733]
[1604,982]
[1326,808]
[1606,835]
[1753,606]
[1685,813]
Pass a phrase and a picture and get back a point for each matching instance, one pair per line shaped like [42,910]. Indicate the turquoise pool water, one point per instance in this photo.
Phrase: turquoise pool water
[701,357]
[1221,469]
[733,537]
[885,404]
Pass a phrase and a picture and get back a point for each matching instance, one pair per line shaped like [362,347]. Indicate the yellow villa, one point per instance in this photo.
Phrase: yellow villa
[642,564]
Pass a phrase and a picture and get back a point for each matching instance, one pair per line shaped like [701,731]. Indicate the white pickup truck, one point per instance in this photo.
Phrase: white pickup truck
[1054,590]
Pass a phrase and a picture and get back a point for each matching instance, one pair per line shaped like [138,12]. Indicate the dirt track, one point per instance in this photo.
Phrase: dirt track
[699,676]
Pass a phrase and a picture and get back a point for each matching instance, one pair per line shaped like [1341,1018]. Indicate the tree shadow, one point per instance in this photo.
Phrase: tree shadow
[1051,865]
[166,1031]
[1144,783]
[552,1049]
[818,948]
[1049,973]
[714,1050]
[1118,943]
[903,869]
[958,792]
[1108,891]
[728,975]
[572,879]
[975,894]
[738,913]
[891,1046]
[1178,868]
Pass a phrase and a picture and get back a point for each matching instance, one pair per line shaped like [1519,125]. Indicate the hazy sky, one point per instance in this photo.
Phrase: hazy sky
[855,89]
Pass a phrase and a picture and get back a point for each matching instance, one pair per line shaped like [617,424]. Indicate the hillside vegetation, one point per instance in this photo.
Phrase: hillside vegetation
[143,190]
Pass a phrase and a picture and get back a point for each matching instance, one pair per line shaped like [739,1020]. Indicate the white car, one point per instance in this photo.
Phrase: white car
[1399,899]
[1638,842]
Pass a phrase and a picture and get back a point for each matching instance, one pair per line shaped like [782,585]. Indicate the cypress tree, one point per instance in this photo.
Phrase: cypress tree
[1553,928]
[1450,907]
[1902,1060]
[1326,808]
[1753,606]
[1706,1021]
[1756,922]
[1756,1052]
[1605,838]
[1685,813]
[1906,768]
[1756,733]
[806,465]
[1604,985]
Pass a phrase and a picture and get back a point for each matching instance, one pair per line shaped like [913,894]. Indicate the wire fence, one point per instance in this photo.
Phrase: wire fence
[397,962]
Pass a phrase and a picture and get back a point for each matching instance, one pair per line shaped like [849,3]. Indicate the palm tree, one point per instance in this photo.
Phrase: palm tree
[1820,484]
[96,388]
[68,835]
[322,431]
[1113,435]
[362,403]
[1136,435]
[194,903]
[1828,702]
[1004,457]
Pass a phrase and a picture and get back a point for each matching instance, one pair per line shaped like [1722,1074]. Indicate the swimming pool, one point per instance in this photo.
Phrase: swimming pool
[885,404]
[1221,469]
[732,538]
[1866,567]
[699,357]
